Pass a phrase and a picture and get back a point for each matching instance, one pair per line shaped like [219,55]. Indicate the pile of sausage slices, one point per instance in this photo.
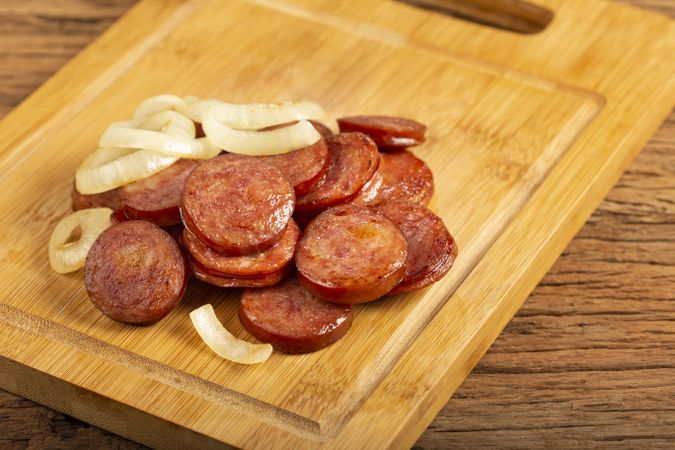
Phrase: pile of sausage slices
[308,223]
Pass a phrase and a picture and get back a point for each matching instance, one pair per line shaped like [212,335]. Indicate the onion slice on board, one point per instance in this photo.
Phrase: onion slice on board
[259,143]
[110,168]
[168,132]
[253,116]
[159,103]
[65,256]
[222,342]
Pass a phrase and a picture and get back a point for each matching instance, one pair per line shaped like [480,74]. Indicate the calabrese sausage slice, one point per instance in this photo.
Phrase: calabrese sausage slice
[266,262]
[386,131]
[292,319]
[157,198]
[302,168]
[323,130]
[431,249]
[405,177]
[135,273]
[108,199]
[353,161]
[369,192]
[237,204]
[224,281]
[351,254]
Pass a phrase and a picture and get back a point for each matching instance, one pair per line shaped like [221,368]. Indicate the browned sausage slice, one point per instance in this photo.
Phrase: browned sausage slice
[157,198]
[237,204]
[118,216]
[292,319]
[353,161]
[405,177]
[199,130]
[266,262]
[108,199]
[386,131]
[323,130]
[135,273]
[431,249]
[222,280]
[351,254]
[303,168]
[369,192]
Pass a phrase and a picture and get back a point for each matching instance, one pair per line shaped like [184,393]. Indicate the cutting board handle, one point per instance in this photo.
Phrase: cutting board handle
[520,16]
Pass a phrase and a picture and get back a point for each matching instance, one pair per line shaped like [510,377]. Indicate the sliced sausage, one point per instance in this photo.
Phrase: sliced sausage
[118,216]
[157,198]
[351,254]
[386,131]
[353,161]
[237,204]
[135,273]
[176,232]
[266,262]
[431,249]
[323,130]
[370,191]
[108,199]
[199,131]
[303,218]
[302,168]
[222,280]
[292,319]
[405,177]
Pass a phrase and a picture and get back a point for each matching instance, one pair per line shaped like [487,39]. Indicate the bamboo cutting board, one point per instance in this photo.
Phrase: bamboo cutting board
[527,134]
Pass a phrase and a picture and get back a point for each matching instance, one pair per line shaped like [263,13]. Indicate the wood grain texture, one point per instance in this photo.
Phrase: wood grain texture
[569,291]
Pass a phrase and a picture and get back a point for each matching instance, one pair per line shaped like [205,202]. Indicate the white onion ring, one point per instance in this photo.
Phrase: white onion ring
[222,342]
[259,143]
[167,132]
[253,116]
[159,103]
[110,168]
[66,256]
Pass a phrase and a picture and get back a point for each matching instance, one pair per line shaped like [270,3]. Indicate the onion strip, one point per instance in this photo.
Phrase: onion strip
[253,116]
[222,342]
[167,132]
[159,103]
[259,143]
[110,168]
[67,256]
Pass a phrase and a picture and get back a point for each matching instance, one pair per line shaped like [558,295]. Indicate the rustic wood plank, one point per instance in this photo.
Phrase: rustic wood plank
[574,366]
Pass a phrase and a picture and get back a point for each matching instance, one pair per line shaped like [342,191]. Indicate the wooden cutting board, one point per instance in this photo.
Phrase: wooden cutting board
[527,134]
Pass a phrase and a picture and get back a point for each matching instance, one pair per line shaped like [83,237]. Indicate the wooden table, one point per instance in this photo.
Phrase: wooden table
[589,361]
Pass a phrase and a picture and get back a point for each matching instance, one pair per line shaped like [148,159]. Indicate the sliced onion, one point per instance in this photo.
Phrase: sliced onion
[222,342]
[110,168]
[258,143]
[167,132]
[159,103]
[253,116]
[67,256]
[196,109]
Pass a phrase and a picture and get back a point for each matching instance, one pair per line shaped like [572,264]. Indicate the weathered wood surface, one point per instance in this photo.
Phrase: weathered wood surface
[589,361]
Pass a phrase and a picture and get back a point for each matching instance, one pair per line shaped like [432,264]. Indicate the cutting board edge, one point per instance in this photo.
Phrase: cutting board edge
[441,393]
[168,378]
[101,411]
